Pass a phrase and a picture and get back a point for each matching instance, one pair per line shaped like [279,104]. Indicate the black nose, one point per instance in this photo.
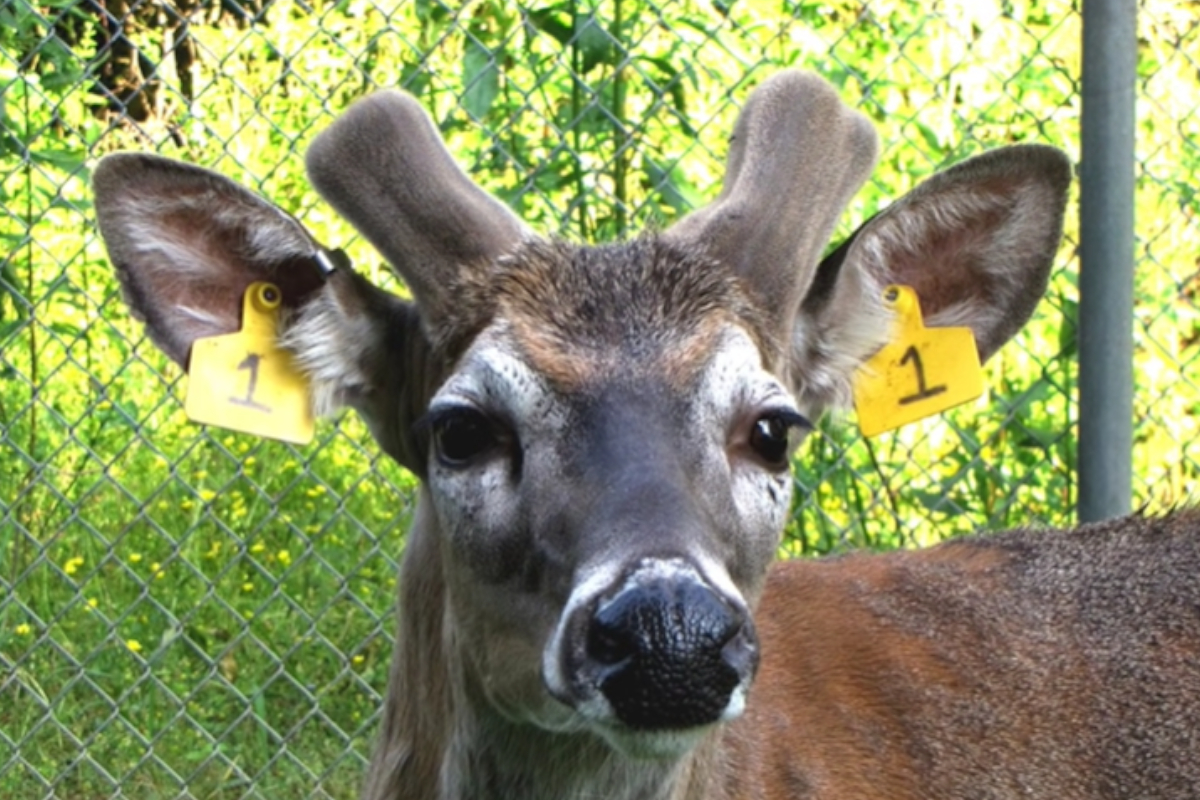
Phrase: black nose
[669,653]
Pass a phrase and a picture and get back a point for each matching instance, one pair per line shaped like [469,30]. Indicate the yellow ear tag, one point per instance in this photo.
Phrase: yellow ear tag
[243,381]
[920,372]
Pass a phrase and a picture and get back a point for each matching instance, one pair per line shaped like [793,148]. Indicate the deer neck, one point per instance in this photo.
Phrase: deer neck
[492,758]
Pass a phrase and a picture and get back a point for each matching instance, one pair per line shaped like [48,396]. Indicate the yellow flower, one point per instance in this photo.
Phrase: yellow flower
[257,547]
[135,558]
[358,659]
[73,564]
[250,461]
[91,601]
[134,645]
[23,629]
[284,557]
[207,495]
[247,587]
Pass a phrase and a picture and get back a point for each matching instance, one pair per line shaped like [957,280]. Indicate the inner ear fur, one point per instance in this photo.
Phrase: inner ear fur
[366,348]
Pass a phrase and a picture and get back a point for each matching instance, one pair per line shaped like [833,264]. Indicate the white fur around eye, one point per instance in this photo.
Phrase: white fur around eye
[734,385]
[735,382]
[495,377]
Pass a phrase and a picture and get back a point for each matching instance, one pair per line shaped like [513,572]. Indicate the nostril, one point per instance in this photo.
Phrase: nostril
[610,643]
[712,620]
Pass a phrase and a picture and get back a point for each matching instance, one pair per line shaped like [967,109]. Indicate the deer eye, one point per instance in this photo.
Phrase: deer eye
[775,434]
[461,435]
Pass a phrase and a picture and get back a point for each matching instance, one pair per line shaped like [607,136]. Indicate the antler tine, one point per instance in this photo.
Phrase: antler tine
[384,167]
[797,156]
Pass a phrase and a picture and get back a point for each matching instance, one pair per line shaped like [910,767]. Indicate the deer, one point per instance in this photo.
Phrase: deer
[590,603]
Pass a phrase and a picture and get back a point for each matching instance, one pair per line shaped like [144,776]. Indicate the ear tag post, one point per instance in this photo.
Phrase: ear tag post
[919,373]
[243,381]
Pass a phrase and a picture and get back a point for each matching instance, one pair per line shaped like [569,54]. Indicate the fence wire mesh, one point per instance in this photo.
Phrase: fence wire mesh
[191,613]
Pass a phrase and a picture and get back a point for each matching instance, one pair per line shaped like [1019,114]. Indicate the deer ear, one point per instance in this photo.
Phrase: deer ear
[384,167]
[186,243]
[976,242]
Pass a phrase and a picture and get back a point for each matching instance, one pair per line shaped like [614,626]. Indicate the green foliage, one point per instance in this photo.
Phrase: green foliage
[189,613]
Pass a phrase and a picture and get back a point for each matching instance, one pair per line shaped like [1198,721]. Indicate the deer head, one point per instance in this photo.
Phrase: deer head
[603,433]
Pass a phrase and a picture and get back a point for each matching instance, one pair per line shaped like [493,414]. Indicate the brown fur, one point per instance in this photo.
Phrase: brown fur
[580,312]
[1051,664]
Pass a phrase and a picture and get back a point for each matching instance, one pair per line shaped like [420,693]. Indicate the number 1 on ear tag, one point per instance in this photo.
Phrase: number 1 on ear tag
[243,381]
[920,372]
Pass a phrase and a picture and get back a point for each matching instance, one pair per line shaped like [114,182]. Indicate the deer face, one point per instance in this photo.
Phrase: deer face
[608,467]
[603,433]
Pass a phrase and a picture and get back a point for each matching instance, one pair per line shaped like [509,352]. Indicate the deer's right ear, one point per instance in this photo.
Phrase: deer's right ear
[186,244]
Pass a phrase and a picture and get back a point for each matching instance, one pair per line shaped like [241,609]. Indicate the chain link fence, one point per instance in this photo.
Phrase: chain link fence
[186,612]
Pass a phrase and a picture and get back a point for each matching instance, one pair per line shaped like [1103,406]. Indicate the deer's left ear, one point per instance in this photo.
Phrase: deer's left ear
[976,242]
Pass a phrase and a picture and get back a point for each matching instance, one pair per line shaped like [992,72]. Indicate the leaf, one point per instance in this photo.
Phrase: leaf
[939,501]
[1067,331]
[66,329]
[481,79]
[8,273]
[66,160]
[931,138]
[429,11]
[594,43]
[673,79]
[549,22]
[414,78]
[672,187]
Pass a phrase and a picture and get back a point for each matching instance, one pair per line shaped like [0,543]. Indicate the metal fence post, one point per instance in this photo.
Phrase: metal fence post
[1106,257]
